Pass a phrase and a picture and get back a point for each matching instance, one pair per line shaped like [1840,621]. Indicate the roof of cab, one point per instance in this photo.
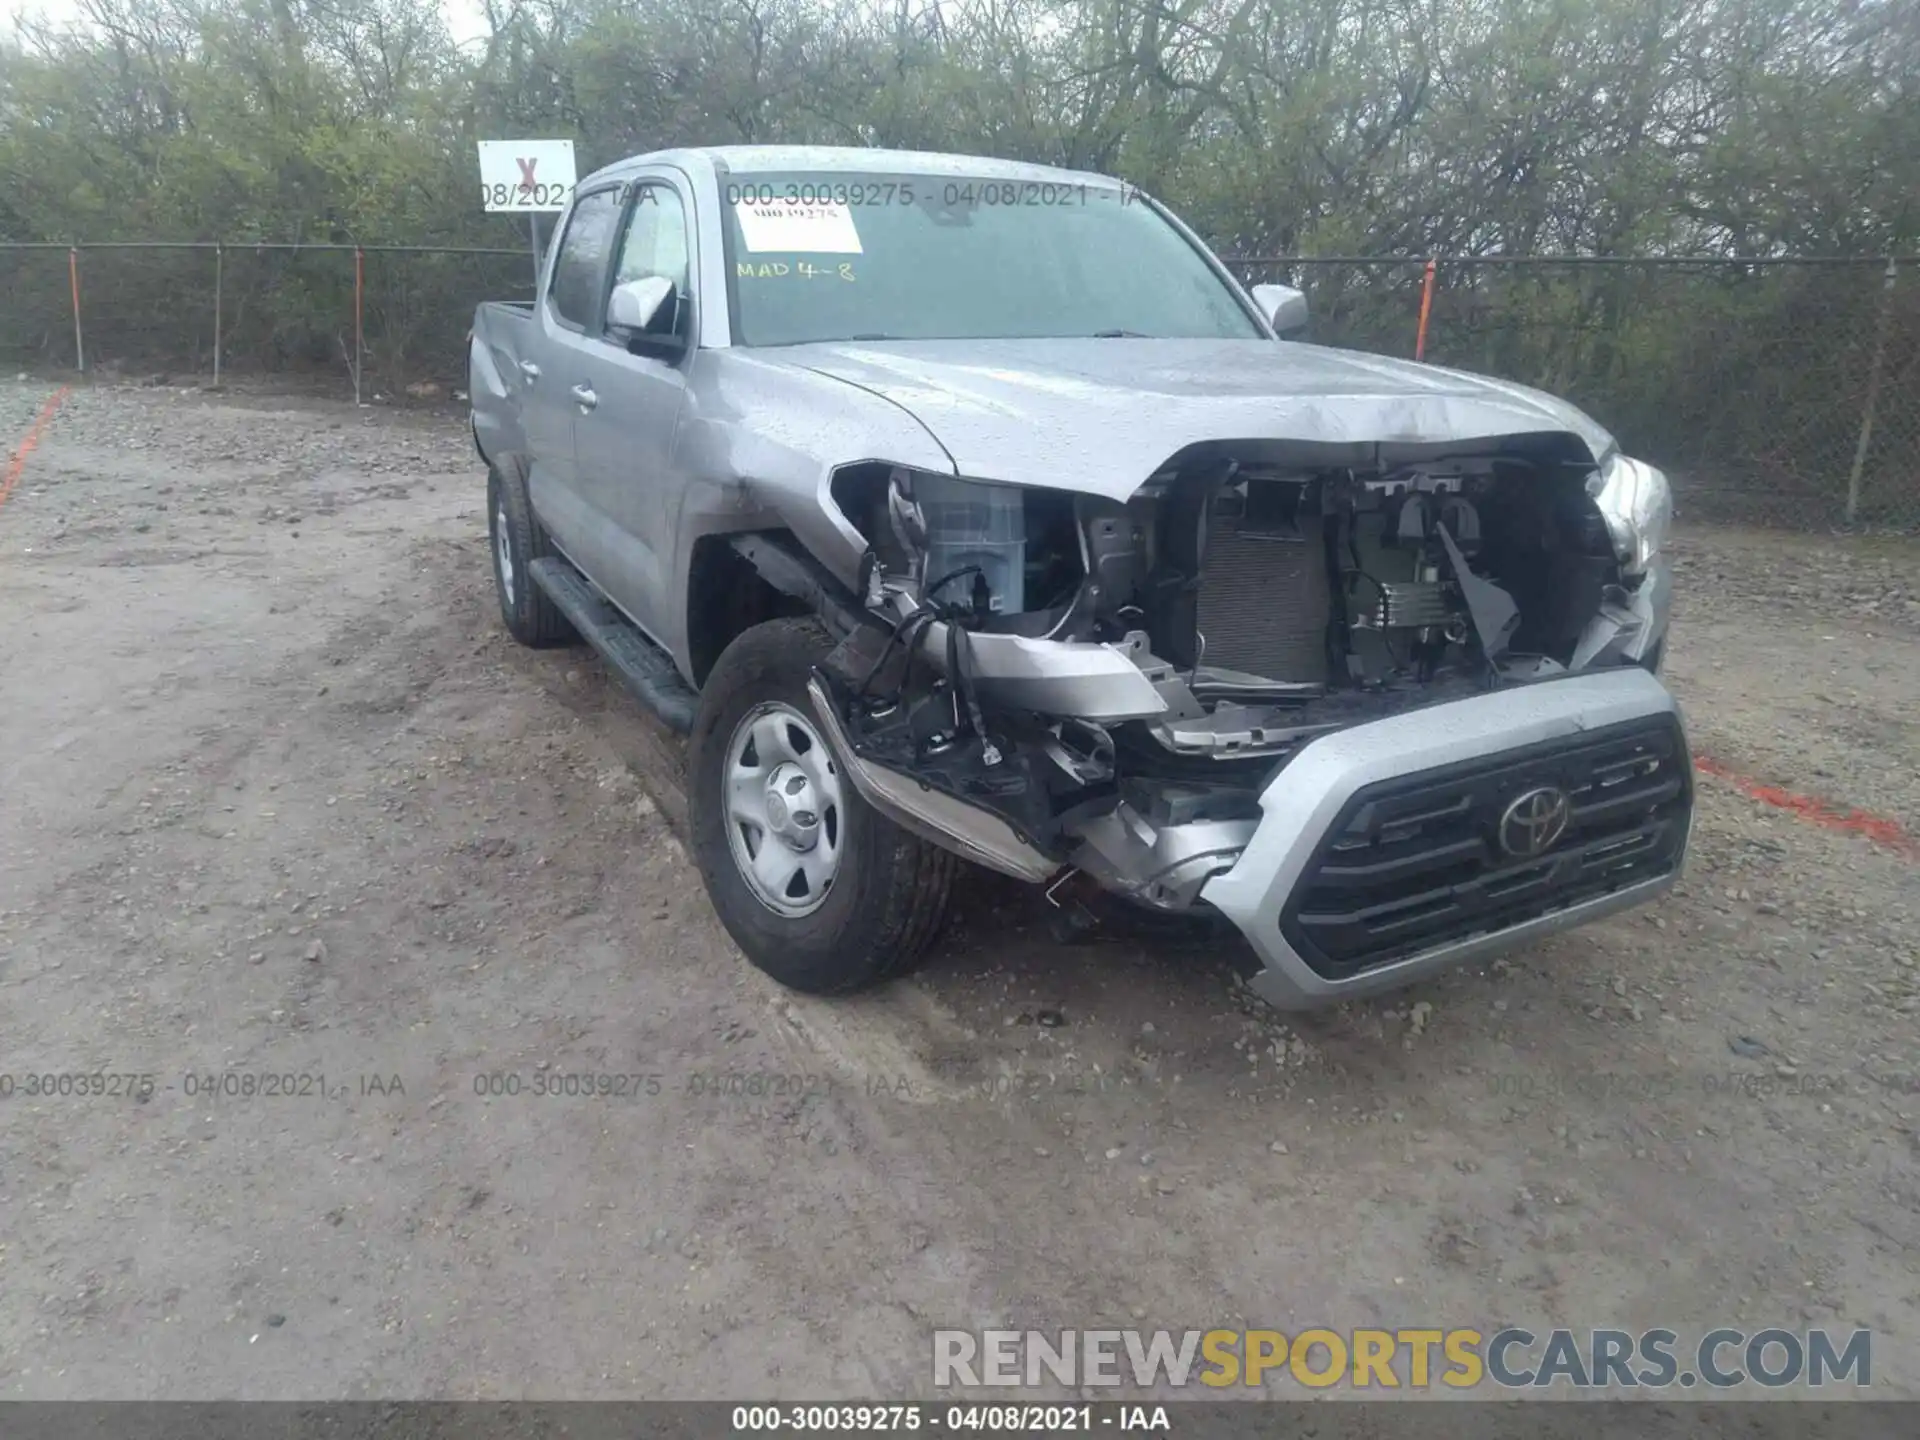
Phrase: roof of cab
[765,159]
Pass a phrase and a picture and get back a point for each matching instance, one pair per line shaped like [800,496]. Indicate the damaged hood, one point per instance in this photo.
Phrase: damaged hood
[1100,416]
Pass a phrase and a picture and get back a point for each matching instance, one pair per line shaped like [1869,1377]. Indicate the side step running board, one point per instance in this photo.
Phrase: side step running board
[647,669]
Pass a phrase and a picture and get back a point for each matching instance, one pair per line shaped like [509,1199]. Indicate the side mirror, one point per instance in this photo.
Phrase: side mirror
[1285,306]
[633,305]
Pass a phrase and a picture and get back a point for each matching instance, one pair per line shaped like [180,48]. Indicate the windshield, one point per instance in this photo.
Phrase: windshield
[819,256]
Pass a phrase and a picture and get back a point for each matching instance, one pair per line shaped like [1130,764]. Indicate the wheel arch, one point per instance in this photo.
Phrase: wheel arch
[736,581]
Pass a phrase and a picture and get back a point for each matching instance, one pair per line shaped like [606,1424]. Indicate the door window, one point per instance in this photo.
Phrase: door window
[655,243]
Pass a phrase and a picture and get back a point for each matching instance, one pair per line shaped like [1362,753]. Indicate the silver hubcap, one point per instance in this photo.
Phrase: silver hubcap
[503,553]
[784,816]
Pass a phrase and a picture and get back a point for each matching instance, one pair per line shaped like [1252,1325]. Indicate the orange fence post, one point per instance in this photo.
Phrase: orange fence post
[1426,309]
[73,284]
[219,284]
[359,292]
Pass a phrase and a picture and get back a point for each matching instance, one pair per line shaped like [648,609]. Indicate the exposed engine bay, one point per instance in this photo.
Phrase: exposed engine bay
[1242,604]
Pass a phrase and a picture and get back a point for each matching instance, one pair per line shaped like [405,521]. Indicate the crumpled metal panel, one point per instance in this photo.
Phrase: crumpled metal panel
[1101,416]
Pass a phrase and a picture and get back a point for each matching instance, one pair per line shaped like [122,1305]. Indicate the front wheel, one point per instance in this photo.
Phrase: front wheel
[821,892]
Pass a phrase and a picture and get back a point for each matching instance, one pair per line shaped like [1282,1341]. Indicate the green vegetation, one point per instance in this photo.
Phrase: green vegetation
[1333,127]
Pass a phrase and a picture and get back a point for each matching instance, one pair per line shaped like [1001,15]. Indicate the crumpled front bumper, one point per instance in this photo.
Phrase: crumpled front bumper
[1312,794]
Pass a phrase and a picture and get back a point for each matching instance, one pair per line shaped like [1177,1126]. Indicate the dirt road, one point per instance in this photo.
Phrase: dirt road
[280,800]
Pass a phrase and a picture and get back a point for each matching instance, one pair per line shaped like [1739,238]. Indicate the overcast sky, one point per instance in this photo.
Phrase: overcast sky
[464,17]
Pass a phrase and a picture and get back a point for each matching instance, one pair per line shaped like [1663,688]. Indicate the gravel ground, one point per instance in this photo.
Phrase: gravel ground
[278,797]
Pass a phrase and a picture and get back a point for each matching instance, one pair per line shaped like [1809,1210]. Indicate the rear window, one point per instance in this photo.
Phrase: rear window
[580,266]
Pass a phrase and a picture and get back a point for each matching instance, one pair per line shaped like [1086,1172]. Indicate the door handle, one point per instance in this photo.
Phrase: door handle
[584,397]
[530,370]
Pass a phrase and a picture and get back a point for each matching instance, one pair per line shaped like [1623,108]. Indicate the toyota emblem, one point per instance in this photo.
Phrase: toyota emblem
[1535,821]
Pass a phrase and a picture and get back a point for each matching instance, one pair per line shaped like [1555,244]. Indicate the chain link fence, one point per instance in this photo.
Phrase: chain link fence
[1783,392]
[374,320]
[1779,391]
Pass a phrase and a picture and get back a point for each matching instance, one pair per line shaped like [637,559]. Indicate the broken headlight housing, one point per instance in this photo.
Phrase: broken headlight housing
[963,529]
[1637,504]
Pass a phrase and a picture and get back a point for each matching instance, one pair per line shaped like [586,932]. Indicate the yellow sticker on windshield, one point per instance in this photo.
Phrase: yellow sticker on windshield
[791,227]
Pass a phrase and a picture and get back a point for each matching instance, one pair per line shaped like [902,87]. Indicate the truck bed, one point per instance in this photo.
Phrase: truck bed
[502,330]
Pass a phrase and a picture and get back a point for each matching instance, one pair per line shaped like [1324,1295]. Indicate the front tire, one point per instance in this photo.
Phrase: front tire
[516,541]
[820,891]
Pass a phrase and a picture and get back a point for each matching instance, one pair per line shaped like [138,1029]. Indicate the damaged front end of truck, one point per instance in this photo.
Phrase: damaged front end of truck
[1382,705]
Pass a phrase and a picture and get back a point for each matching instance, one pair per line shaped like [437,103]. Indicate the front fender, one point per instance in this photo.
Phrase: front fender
[762,442]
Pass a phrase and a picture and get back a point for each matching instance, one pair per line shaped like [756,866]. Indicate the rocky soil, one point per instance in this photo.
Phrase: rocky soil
[279,798]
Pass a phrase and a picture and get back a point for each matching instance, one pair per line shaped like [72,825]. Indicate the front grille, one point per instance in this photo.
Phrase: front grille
[1264,603]
[1416,862]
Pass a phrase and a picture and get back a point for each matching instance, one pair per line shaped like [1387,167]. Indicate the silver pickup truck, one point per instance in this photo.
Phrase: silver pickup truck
[962,510]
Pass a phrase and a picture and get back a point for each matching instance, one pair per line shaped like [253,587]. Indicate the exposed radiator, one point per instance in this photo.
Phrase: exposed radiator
[1264,603]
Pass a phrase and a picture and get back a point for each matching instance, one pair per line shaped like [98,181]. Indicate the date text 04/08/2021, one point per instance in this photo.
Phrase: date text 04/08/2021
[195,1085]
[748,1419]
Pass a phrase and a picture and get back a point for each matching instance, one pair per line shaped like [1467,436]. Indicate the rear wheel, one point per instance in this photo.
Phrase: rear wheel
[821,892]
[516,541]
